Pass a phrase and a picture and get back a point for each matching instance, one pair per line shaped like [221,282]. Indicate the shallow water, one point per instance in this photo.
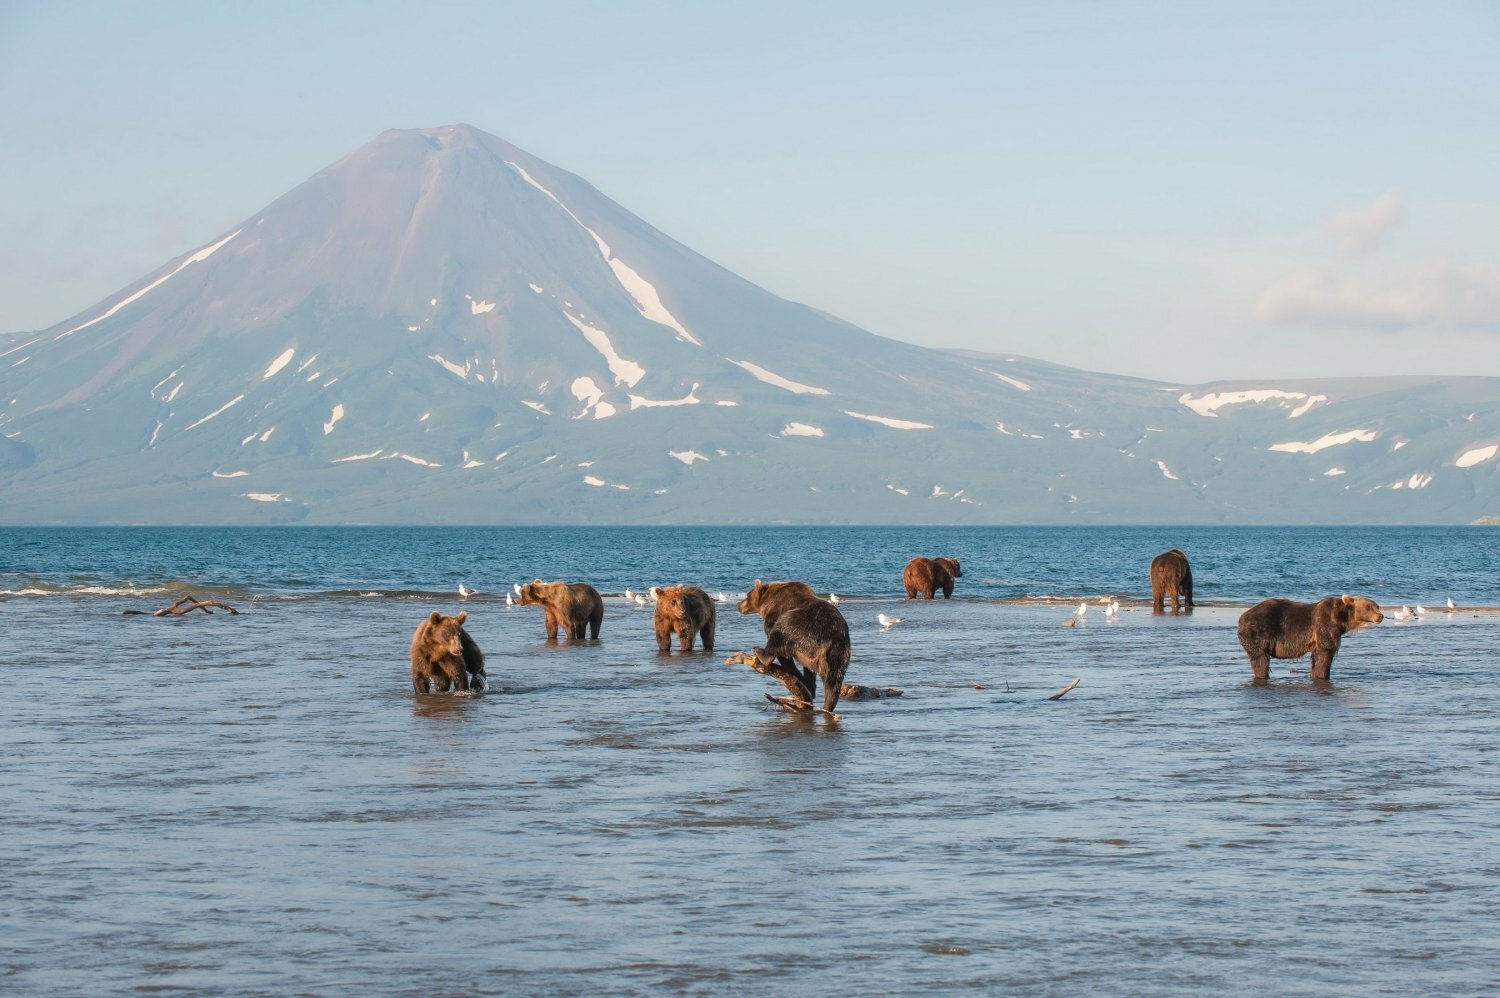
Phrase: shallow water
[259,804]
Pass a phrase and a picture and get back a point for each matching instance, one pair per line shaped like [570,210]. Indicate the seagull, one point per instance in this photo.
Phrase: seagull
[1420,609]
[834,599]
[464,592]
[887,623]
[655,594]
[1451,607]
[722,598]
[640,600]
[509,600]
[629,594]
[517,587]
[1083,608]
[1401,614]
[1112,609]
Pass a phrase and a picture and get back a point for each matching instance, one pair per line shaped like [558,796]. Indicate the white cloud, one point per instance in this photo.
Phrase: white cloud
[1360,230]
[1442,294]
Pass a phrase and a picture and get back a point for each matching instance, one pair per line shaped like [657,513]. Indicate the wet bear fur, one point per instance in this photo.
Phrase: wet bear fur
[444,657]
[814,637]
[686,611]
[772,599]
[571,606]
[1171,576]
[928,575]
[1281,628]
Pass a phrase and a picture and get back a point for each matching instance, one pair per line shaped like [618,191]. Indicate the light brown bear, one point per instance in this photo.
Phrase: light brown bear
[444,657]
[928,575]
[687,611]
[1171,576]
[1281,628]
[572,606]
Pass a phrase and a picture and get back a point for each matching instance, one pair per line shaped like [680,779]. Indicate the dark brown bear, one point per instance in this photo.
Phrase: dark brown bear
[443,656]
[815,637]
[1280,628]
[772,599]
[687,611]
[1171,576]
[928,575]
[571,606]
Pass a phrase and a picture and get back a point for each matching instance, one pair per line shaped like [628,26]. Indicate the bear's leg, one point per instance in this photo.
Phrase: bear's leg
[911,592]
[596,619]
[419,682]
[685,637]
[1260,668]
[663,638]
[460,678]
[708,637]
[1322,665]
[948,591]
[552,624]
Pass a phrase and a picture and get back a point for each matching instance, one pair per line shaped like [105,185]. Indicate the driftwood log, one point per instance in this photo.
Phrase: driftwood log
[1063,692]
[186,604]
[793,682]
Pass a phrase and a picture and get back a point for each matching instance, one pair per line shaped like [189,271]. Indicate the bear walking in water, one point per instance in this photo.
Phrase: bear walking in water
[686,611]
[1281,628]
[443,656]
[1171,576]
[571,606]
[807,637]
[928,575]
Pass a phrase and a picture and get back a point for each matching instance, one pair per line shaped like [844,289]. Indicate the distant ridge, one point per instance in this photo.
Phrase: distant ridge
[442,328]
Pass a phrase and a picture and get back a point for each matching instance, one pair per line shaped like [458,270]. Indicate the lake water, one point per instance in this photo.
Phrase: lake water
[258,803]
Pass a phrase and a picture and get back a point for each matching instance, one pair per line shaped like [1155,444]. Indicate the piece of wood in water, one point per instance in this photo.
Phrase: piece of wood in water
[1060,693]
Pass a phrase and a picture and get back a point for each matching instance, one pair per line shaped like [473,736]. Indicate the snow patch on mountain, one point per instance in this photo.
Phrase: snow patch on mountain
[227,405]
[1166,472]
[1334,472]
[641,291]
[281,361]
[1325,441]
[266,496]
[231,474]
[460,371]
[639,402]
[771,378]
[587,391]
[1478,455]
[800,430]
[687,457]
[626,372]
[895,424]
[537,406]
[360,457]
[1013,382]
[600,483]
[338,414]
[413,459]
[1210,403]
[479,307]
[197,257]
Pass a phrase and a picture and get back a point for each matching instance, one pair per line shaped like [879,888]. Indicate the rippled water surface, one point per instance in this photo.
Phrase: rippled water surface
[258,803]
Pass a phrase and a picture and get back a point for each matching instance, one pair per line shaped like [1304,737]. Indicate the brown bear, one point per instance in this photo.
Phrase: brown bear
[443,656]
[1171,576]
[815,637]
[571,606]
[772,599]
[928,575]
[688,611]
[1280,628]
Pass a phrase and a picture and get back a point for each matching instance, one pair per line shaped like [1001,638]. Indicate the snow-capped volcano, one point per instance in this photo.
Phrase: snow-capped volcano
[441,327]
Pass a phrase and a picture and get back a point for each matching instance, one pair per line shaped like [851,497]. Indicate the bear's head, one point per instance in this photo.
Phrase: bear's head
[751,602]
[1358,611]
[445,634]
[951,564]
[669,600]
[533,592]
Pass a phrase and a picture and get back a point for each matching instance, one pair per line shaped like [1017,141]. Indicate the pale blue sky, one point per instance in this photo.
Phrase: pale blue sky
[1180,191]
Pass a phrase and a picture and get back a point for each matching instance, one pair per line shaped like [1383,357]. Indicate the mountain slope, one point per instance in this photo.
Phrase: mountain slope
[442,328]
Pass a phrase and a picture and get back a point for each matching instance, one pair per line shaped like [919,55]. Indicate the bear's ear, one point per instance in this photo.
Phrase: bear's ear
[536,582]
[437,615]
[463,615]
[757,585]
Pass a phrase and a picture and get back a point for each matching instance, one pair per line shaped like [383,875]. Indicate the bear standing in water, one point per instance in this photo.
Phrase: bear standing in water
[928,575]
[444,657]
[686,611]
[806,637]
[1281,628]
[571,606]
[1171,576]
